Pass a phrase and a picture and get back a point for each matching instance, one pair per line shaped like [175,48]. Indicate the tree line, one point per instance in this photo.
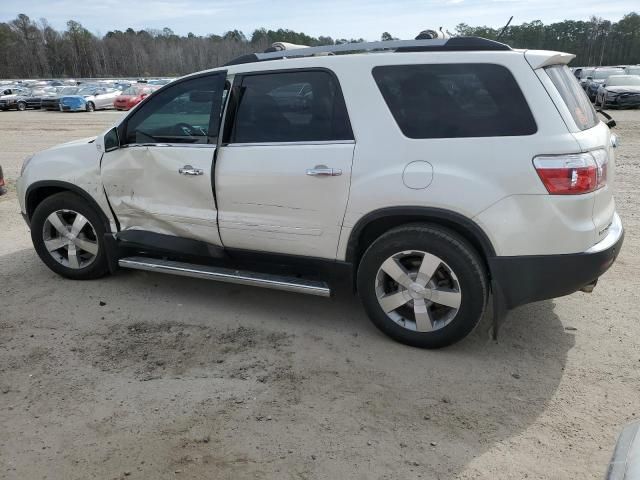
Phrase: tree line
[594,42]
[34,49]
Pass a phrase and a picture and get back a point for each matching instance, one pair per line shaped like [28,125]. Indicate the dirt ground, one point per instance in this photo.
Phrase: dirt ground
[147,376]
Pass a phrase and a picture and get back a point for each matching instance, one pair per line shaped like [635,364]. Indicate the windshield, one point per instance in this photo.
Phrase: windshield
[132,91]
[604,74]
[617,80]
[69,90]
[573,96]
[586,72]
[87,91]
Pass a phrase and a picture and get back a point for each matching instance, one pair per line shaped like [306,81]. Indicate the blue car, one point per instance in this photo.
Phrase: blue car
[73,103]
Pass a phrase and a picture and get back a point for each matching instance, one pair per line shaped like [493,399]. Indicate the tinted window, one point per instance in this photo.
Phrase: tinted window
[291,107]
[573,96]
[180,114]
[455,100]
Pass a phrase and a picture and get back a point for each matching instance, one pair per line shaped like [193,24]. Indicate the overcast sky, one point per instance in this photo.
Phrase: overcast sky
[336,18]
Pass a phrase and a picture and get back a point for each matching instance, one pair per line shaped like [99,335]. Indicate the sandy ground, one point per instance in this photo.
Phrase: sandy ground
[158,377]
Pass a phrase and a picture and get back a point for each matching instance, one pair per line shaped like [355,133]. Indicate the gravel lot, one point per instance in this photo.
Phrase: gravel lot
[149,376]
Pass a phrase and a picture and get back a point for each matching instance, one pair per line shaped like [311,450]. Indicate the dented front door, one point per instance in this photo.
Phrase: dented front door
[160,179]
[149,190]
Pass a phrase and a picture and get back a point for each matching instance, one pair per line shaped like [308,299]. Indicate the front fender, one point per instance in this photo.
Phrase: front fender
[75,167]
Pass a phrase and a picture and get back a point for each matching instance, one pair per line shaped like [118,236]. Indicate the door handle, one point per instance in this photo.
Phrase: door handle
[189,170]
[323,171]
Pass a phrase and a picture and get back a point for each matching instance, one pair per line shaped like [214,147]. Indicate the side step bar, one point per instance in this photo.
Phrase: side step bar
[276,282]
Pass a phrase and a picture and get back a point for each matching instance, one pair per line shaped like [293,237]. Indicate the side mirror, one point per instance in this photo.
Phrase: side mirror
[111,140]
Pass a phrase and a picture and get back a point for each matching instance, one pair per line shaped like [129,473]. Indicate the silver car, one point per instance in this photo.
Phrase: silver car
[90,98]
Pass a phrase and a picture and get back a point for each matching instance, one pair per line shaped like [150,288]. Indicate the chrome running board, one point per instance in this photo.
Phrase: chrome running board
[275,282]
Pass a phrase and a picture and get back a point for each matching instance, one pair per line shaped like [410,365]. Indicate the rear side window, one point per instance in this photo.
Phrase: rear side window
[573,96]
[455,100]
[291,107]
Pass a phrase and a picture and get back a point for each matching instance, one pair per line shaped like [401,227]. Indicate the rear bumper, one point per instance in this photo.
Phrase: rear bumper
[72,108]
[531,278]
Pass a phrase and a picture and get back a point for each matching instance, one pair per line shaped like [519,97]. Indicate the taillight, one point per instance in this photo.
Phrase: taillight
[573,174]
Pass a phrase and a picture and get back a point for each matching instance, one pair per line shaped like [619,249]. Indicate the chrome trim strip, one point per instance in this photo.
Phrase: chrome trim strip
[279,144]
[615,232]
[190,145]
[275,282]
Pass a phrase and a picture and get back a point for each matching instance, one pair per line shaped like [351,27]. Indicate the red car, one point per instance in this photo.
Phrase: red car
[132,96]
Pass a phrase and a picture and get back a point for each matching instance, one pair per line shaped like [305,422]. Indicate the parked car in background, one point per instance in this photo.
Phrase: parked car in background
[632,70]
[585,73]
[3,188]
[53,102]
[89,98]
[14,91]
[21,101]
[160,81]
[132,96]
[598,77]
[577,71]
[619,91]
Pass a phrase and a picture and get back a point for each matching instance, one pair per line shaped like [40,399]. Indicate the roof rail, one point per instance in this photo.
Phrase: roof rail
[438,44]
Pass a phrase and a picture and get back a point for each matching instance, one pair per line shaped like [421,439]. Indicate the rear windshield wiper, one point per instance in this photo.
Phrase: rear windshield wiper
[610,121]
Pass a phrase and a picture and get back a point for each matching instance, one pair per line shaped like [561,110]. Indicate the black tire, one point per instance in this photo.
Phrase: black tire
[22,106]
[70,201]
[456,252]
[91,107]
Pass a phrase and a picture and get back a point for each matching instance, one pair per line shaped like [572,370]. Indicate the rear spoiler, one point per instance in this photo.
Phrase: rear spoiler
[544,58]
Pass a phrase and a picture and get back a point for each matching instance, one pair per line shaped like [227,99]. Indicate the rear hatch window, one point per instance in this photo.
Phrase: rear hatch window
[573,96]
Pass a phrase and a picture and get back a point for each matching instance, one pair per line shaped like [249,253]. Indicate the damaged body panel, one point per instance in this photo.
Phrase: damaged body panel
[147,191]
[76,164]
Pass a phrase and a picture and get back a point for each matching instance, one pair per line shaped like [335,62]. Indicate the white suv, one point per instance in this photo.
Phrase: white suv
[428,174]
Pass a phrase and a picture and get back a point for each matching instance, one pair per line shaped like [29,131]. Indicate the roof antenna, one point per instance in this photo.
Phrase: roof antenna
[504,29]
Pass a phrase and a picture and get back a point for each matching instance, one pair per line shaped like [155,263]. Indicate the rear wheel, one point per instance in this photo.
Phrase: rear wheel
[68,236]
[423,285]
[90,107]
[22,106]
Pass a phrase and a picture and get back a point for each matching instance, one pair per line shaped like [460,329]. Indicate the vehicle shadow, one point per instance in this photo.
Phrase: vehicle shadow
[348,400]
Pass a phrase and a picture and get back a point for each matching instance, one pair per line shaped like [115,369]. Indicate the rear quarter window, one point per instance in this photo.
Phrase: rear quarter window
[573,96]
[455,100]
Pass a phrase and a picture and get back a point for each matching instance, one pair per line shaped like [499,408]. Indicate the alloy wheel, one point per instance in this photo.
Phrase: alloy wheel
[70,239]
[418,291]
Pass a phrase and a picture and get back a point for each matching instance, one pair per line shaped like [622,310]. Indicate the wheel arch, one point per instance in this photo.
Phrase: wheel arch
[39,191]
[375,223]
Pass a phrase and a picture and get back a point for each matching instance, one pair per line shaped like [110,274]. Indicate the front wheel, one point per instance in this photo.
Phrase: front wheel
[22,106]
[91,107]
[68,236]
[423,285]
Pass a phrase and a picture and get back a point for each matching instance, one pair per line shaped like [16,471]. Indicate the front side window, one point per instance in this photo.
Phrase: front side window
[455,100]
[187,112]
[573,96]
[290,107]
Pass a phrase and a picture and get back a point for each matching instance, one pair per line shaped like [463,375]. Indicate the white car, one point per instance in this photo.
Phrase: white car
[432,177]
